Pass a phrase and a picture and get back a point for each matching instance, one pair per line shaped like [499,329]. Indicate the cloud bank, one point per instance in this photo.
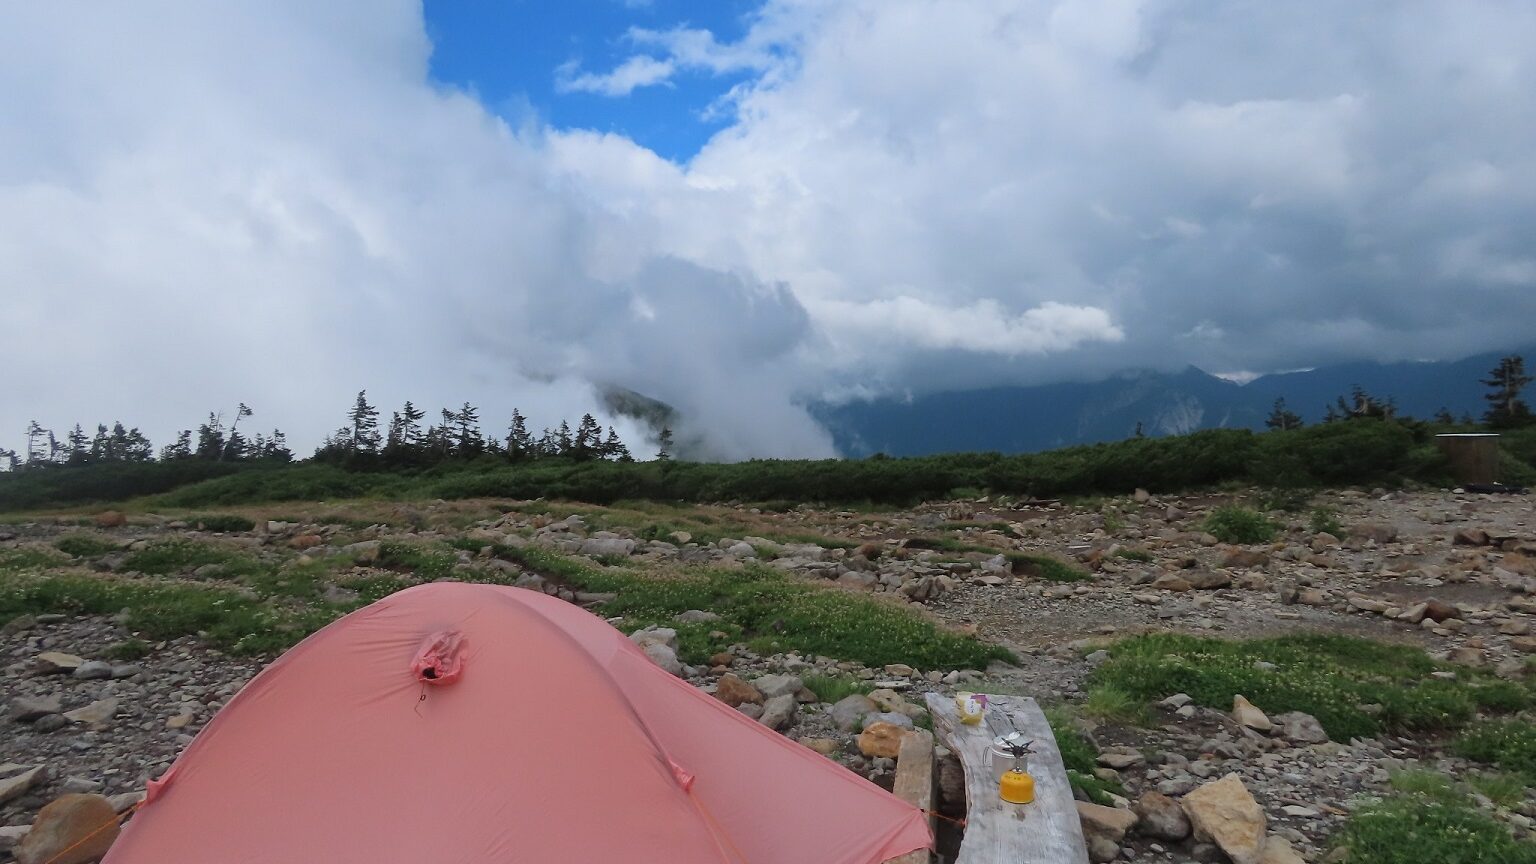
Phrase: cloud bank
[273,203]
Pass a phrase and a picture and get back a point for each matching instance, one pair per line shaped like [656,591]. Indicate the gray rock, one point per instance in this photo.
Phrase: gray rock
[97,713]
[93,670]
[779,712]
[1300,727]
[892,717]
[608,546]
[25,709]
[659,635]
[695,616]
[15,779]
[751,709]
[49,723]
[778,685]
[850,710]
[80,784]
[1161,817]
[664,657]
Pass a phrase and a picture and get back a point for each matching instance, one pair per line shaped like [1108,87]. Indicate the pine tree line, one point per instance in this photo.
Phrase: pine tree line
[1506,409]
[404,440]
[213,442]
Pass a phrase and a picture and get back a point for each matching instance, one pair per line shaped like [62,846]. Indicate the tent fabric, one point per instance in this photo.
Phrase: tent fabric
[554,739]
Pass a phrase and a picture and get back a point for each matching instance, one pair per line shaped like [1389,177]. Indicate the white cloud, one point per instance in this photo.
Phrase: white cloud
[638,71]
[273,204]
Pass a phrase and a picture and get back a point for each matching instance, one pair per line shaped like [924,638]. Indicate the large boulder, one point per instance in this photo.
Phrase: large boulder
[1248,714]
[779,712]
[1224,812]
[1207,580]
[74,829]
[1107,822]
[1161,817]
[881,740]
[850,710]
[1300,728]
[663,656]
[25,709]
[733,691]
[778,685]
[599,546]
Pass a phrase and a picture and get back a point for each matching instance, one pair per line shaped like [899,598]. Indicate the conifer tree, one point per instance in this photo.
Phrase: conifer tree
[466,423]
[1282,418]
[589,437]
[235,446]
[613,448]
[547,445]
[563,443]
[79,447]
[9,461]
[36,441]
[519,442]
[1443,417]
[1506,410]
[365,425]
[664,444]
[180,449]
[210,438]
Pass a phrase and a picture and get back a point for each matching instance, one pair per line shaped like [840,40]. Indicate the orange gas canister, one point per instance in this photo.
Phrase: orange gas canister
[1017,787]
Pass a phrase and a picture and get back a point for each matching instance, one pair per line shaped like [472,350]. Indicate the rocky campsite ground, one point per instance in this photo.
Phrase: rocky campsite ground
[1380,640]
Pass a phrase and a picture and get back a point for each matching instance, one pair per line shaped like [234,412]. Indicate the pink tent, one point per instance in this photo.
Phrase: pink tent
[471,724]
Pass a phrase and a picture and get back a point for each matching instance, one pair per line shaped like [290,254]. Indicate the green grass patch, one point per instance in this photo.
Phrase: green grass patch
[835,688]
[1508,744]
[85,545]
[1354,687]
[163,557]
[1045,567]
[1505,790]
[30,558]
[1325,520]
[1429,822]
[426,561]
[1140,555]
[774,610]
[1111,704]
[220,523]
[1240,525]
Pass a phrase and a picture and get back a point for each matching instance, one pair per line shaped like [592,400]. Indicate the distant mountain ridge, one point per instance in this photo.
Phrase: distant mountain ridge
[1047,416]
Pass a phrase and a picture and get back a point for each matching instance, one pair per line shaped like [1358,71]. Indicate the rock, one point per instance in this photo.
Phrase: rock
[1161,817]
[57,663]
[662,635]
[881,739]
[824,746]
[49,723]
[74,829]
[15,779]
[111,519]
[1244,558]
[733,691]
[363,552]
[695,616]
[1141,496]
[1414,614]
[663,656]
[1277,850]
[779,712]
[98,713]
[1102,850]
[121,802]
[1225,813]
[850,710]
[1170,582]
[92,670]
[1120,759]
[1300,728]
[892,717]
[306,541]
[608,546]
[1466,655]
[750,709]
[10,835]
[778,685]
[1437,611]
[1470,537]
[1207,580]
[900,670]
[741,549]
[891,701]
[1248,714]
[1376,532]
[25,709]
[80,784]
[1110,822]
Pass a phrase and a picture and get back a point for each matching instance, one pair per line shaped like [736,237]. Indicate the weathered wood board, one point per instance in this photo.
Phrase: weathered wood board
[996,832]
[914,783]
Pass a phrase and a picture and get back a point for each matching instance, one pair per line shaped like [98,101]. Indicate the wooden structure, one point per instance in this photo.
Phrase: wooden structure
[1047,831]
[914,783]
[1474,456]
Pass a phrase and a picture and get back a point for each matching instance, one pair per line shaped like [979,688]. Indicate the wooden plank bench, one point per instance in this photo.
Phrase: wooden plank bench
[1045,832]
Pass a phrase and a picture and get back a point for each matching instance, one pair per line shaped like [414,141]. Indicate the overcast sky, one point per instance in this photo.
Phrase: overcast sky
[284,202]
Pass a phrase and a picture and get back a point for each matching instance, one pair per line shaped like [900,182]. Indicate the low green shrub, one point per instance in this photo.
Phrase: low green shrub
[1435,825]
[1508,744]
[175,556]
[834,688]
[1325,520]
[221,523]
[1355,687]
[85,545]
[1111,704]
[1240,525]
